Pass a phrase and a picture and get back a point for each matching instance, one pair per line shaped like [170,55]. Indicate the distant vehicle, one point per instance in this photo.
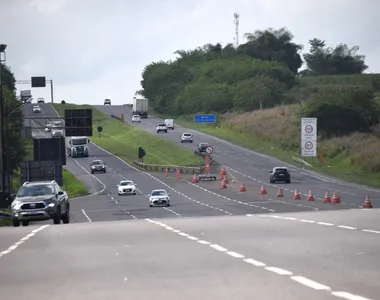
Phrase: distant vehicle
[48,127]
[169,123]
[279,174]
[77,146]
[107,102]
[126,187]
[159,198]
[57,131]
[186,137]
[40,100]
[140,107]
[98,166]
[202,147]
[38,201]
[161,127]
[136,118]
[36,109]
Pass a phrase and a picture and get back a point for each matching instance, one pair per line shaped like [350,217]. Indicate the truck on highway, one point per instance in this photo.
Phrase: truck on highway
[77,146]
[140,106]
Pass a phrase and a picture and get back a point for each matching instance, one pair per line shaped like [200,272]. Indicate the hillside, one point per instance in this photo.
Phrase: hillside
[260,97]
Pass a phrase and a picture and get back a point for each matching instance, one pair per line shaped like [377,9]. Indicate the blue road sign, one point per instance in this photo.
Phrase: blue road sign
[205,118]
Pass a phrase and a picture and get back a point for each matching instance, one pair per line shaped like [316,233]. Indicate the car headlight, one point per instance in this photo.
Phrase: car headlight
[51,204]
[16,205]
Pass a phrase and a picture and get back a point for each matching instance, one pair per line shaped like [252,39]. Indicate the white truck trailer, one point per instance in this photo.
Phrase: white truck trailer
[77,146]
[140,106]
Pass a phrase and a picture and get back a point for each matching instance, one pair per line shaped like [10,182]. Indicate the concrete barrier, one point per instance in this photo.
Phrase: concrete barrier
[301,161]
[170,168]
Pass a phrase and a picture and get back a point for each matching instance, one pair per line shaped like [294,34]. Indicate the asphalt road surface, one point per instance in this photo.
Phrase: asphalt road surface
[253,168]
[314,256]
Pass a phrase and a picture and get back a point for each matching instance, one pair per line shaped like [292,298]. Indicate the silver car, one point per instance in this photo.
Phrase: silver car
[159,198]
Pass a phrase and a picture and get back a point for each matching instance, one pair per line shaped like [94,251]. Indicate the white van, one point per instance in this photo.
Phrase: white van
[169,123]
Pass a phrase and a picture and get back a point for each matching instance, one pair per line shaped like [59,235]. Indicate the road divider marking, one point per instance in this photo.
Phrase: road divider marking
[22,240]
[86,215]
[299,279]
[314,222]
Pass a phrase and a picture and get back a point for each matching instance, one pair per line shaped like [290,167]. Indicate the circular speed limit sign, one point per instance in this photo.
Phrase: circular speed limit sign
[309,145]
[209,150]
[309,129]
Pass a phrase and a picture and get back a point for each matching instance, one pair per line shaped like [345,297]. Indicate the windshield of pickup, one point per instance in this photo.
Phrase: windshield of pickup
[35,190]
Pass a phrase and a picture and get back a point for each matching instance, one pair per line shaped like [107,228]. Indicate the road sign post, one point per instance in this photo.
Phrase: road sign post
[211,118]
[209,151]
[309,137]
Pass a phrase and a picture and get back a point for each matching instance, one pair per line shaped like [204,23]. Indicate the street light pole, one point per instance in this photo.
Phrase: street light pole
[2,121]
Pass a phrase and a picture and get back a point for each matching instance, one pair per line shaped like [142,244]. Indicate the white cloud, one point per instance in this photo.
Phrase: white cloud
[95,49]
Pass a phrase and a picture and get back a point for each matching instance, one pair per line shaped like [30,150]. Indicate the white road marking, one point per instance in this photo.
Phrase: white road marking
[310,283]
[22,240]
[86,215]
[371,231]
[172,211]
[347,227]
[299,279]
[325,224]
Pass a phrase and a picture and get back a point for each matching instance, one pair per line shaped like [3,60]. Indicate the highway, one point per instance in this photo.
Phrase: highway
[210,244]
[253,168]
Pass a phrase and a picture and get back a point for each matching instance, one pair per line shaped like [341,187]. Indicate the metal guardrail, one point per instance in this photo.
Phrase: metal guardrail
[163,168]
[301,161]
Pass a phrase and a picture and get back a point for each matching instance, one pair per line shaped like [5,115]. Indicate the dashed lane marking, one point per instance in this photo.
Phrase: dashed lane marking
[23,240]
[87,217]
[233,200]
[279,271]
[315,222]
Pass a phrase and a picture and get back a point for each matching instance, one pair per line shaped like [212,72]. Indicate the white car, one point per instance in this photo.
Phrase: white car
[186,137]
[162,127]
[36,109]
[159,198]
[40,100]
[126,187]
[136,118]
[48,127]
[57,131]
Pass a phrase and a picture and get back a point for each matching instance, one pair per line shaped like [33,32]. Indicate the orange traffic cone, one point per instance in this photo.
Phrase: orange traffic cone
[223,184]
[280,192]
[222,173]
[310,196]
[327,198]
[167,172]
[263,191]
[334,198]
[178,174]
[243,188]
[296,195]
[338,197]
[367,203]
[226,179]
[195,179]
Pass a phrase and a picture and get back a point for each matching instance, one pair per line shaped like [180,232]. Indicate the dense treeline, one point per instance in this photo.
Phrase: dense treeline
[15,144]
[263,73]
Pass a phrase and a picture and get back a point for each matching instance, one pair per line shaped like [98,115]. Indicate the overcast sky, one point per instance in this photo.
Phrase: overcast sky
[97,49]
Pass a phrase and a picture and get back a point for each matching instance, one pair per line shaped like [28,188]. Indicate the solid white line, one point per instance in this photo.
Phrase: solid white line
[219,248]
[310,283]
[278,271]
[348,296]
[254,262]
[234,254]
[87,217]
[347,227]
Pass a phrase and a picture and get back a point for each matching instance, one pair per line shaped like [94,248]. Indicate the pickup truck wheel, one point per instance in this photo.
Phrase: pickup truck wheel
[168,204]
[16,223]
[66,218]
[166,131]
[150,205]
[57,218]
[25,223]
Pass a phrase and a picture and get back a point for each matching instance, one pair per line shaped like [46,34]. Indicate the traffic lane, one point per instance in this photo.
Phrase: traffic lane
[254,187]
[151,254]
[210,199]
[363,220]
[241,160]
[9,236]
[342,260]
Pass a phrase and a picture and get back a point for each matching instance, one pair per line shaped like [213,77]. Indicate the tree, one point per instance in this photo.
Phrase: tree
[14,141]
[340,60]
[273,45]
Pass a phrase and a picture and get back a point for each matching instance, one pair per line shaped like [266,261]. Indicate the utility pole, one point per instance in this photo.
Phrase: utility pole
[236,22]
[2,121]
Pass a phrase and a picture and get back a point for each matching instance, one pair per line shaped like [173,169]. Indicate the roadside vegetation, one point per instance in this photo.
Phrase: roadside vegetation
[260,95]
[123,140]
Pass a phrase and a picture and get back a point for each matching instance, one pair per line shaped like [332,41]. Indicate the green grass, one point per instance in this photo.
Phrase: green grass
[123,140]
[339,166]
